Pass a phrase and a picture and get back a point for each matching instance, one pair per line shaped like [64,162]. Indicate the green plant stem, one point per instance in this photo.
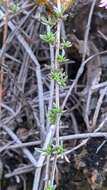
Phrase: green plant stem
[57,88]
[57,67]
[52,68]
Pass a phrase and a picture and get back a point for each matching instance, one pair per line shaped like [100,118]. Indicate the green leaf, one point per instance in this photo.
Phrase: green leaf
[50,21]
[59,77]
[59,14]
[14,8]
[48,38]
[53,114]
[62,58]
[59,150]
[66,44]
[49,150]
[50,187]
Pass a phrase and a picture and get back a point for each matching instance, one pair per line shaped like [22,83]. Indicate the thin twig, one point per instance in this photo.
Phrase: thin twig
[97,110]
[16,139]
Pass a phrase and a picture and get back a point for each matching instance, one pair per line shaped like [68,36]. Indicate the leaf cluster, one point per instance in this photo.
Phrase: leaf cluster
[50,187]
[54,150]
[48,38]
[53,114]
[59,77]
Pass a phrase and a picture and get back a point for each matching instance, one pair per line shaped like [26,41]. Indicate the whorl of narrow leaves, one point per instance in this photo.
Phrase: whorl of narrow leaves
[59,150]
[53,114]
[49,150]
[50,187]
[61,59]
[49,21]
[14,8]
[54,150]
[59,77]
[48,38]
[66,44]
